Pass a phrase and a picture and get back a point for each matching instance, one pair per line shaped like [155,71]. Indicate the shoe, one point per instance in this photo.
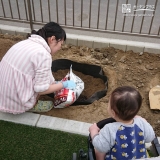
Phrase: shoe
[42,106]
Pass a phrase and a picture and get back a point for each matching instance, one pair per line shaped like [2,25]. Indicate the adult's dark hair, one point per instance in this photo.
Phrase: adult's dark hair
[49,30]
[126,102]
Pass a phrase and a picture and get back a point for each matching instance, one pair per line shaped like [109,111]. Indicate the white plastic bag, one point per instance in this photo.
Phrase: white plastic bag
[66,97]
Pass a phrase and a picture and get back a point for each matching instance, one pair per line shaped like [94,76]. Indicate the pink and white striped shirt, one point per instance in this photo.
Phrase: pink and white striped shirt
[25,70]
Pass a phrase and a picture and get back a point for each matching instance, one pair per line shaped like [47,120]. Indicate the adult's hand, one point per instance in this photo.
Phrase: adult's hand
[69,84]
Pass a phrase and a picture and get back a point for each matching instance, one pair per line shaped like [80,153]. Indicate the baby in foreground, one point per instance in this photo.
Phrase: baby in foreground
[125,138]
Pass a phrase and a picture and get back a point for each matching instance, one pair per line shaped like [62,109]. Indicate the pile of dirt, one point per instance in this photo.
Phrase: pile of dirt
[141,70]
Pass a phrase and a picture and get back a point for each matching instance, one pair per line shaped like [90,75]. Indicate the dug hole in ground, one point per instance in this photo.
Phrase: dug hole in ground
[121,68]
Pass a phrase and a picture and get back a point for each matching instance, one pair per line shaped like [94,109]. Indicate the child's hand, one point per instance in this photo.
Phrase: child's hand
[94,129]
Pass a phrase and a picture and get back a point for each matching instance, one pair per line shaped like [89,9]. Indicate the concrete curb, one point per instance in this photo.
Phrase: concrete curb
[42,121]
[24,118]
[93,42]
[98,42]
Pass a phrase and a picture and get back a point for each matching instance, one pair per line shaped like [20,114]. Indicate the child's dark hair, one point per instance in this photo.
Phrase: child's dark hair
[51,29]
[126,102]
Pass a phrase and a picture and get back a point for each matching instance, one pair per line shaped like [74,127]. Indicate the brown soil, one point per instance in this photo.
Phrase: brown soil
[141,70]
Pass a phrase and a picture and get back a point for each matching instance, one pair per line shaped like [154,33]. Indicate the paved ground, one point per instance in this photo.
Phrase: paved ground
[87,17]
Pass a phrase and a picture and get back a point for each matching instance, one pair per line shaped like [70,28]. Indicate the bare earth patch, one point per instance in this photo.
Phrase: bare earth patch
[141,70]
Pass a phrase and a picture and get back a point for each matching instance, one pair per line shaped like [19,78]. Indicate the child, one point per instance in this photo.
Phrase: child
[125,138]
[25,71]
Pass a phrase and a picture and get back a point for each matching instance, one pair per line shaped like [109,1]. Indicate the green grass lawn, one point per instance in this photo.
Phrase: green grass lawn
[22,142]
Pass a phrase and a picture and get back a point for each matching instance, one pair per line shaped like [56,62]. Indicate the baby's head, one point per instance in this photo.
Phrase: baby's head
[125,101]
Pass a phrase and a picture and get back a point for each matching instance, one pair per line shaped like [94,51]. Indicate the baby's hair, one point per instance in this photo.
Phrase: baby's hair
[126,102]
[51,29]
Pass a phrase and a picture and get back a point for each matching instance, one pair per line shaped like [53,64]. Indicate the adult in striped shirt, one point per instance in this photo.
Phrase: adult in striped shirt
[25,71]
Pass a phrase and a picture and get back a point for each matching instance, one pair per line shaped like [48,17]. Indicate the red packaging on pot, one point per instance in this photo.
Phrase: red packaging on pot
[66,97]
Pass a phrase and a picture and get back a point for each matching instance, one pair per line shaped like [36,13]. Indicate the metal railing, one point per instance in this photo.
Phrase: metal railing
[133,17]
